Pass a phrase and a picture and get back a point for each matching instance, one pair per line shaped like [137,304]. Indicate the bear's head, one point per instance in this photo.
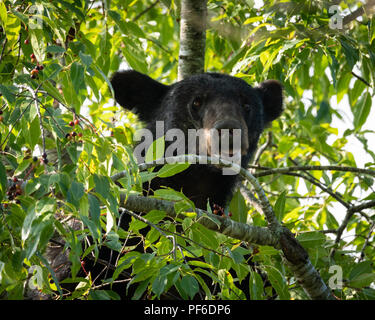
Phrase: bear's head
[203,102]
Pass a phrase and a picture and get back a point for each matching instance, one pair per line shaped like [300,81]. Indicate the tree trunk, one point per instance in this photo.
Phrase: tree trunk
[192,37]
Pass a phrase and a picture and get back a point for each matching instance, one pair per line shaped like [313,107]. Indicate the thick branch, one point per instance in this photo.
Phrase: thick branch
[233,229]
[192,37]
[359,12]
[294,253]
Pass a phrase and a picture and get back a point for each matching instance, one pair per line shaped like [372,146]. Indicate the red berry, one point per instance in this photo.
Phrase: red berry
[1,118]
[15,179]
[27,41]
[76,121]
[71,123]
[34,73]
[80,134]
[32,56]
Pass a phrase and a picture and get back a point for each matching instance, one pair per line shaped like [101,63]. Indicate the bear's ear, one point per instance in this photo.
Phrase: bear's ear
[138,92]
[271,92]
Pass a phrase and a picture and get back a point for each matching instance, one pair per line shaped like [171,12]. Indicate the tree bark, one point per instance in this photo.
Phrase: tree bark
[192,37]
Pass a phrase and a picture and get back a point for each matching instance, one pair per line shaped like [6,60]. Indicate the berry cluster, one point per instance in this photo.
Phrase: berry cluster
[220,211]
[74,134]
[34,73]
[15,190]
[43,159]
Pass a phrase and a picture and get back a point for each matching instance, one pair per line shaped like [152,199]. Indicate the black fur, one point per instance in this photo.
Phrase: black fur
[222,97]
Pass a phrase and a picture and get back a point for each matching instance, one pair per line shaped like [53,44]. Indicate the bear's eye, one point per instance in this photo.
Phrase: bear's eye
[247,107]
[197,103]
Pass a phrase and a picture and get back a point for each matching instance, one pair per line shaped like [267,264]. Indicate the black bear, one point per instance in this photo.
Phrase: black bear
[205,101]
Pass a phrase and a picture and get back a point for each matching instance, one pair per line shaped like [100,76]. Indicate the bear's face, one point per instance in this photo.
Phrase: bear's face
[222,108]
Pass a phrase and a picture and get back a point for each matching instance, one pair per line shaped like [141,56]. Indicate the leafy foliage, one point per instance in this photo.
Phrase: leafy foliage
[62,138]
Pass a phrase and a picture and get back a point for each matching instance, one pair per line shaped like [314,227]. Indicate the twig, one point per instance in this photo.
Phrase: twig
[145,10]
[361,79]
[367,241]
[4,45]
[322,187]
[11,129]
[263,148]
[315,168]
[349,213]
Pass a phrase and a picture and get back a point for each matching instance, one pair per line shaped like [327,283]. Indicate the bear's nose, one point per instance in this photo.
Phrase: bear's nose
[229,124]
[226,134]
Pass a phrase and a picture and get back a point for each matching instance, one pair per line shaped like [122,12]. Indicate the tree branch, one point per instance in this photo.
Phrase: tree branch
[313,168]
[192,37]
[359,12]
[283,239]
[233,229]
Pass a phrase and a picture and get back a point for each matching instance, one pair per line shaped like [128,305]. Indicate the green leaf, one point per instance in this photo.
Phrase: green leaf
[256,286]
[203,235]
[156,150]
[102,185]
[35,132]
[280,206]
[77,73]
[94,206]
[360,268]
[351,53]
[311,239]
[54,92]
[278,282]
[362,110]
[85,58]
[362,280]
[45,205]
[238,207]
[159,284]
[7,93]
[169,170]
[29,219]
[3,14]
[154,216]
[38,44]
[55,49]
[190,286]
